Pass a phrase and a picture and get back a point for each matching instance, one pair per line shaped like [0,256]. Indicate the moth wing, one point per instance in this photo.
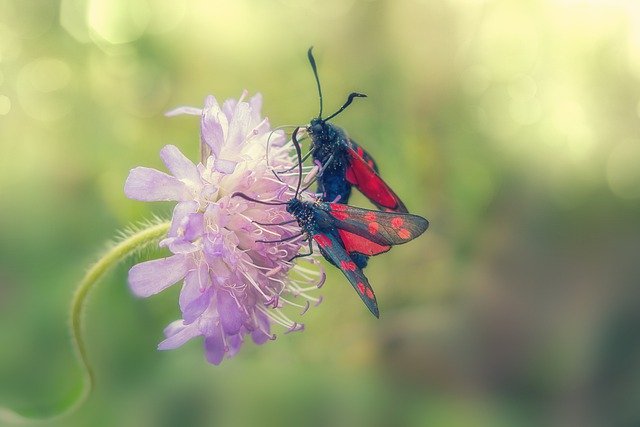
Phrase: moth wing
[354,243]
[332,249]
[380,227]
[365,155]
[363,175]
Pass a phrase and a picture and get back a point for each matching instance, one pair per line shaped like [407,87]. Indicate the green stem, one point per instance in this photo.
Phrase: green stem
[114,256]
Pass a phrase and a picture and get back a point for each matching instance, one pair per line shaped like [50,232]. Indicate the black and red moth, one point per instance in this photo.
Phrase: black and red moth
[344,163]
[344,232]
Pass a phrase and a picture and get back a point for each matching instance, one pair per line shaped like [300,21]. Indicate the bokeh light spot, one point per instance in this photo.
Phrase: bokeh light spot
[523,87]
[525,111]
[476,79]
[10,44]
[73,19]
[118,21]
[509,42]
[166,15]
[49,74]
[40,88]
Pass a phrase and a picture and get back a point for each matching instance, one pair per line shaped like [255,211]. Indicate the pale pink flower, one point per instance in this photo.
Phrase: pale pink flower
[232,285]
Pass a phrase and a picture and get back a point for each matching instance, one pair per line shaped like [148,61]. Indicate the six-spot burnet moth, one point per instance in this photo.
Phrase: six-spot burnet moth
[340,231]
[343,163]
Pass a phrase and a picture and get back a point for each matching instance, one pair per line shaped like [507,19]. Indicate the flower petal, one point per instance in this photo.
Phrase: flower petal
[225,166]
[180,213]
[212,126]
[151,185]
[194,226]
[238,127]
[150,277]
[177,334]
[232,316]
[195,296]
[179,165]
[229,105]
[234,342]
[214,346]
[256,105]
[263,331]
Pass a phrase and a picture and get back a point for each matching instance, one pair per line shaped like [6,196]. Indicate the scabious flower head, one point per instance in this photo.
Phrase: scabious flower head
[233,285]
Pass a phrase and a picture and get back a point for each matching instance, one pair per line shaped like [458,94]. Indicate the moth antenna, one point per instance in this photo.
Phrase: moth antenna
[312,61]
[251,199]
[296,144]
[269,139]
[352,95]
[285,239]
[277,176]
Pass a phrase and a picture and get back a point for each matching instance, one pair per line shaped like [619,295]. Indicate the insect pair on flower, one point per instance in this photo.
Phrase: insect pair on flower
[237,230]
[346,235]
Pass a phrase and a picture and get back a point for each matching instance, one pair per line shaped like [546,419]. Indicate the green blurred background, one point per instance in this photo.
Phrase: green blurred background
[512,125]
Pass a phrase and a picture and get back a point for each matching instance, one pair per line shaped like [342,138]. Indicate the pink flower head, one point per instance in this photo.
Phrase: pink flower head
[233,283]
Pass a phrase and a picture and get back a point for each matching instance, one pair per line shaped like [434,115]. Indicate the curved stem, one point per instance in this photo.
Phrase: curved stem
[111,258]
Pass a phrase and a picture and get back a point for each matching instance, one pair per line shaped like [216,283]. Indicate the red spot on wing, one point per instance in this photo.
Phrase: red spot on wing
[340,215]
[360,151]
[397,222]
[354,243]
[338,211]
[370,216]
[322,240]
[404,233]
[369,293]
[373,227]
[348,265]
[362,288]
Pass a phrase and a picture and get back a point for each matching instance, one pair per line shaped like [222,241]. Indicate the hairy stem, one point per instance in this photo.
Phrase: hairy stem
[133,243]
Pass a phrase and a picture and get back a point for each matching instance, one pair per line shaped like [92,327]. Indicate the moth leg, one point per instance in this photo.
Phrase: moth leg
[286,239]
[303,255]
[318,174]
[305,157]
[276,223]
[326,164]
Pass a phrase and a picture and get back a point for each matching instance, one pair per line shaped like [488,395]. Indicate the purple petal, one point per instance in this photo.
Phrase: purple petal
[214,346]
[194,226]
[229,105]
[180,166]
[195,295]
[225,166]
[151,185]
[235,342]
[232,316]
[150,277]
[180,213]
[179,245]
[177,334]
[239,125]
[256,105]
[213,246]
[263,332]
[212,126]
